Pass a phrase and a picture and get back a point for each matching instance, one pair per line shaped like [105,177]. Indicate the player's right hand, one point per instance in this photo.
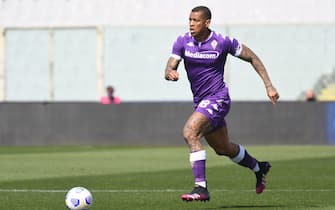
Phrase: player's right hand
[172,75]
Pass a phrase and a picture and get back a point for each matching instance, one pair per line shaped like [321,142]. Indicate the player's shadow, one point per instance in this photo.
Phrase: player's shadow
[248,207]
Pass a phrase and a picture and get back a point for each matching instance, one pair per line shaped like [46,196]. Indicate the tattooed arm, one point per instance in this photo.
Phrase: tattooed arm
[171,73]
[248,55]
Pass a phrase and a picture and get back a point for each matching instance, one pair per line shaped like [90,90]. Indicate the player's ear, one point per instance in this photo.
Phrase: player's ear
[208,22]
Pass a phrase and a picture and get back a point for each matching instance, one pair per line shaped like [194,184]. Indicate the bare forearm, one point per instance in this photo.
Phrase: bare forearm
[260,69]
[249,56]
[171,70]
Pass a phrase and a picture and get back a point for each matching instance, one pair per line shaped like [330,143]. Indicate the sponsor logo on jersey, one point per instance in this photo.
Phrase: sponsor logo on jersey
[202,55]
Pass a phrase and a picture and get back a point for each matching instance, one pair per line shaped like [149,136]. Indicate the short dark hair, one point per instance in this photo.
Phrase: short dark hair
[205,11]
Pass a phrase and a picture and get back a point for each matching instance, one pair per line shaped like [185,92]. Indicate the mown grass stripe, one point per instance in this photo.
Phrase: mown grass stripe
[161,190]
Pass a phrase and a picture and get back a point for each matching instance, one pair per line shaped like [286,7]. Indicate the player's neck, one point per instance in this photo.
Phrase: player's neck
[203,36]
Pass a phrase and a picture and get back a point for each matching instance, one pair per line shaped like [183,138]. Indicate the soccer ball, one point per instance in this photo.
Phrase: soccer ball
[78,198]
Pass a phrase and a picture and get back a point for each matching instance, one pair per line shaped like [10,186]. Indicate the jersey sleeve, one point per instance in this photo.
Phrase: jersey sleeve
[233,46]
[177,49]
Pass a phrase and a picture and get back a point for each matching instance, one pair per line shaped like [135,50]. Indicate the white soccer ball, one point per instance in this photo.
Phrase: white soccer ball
[78,198]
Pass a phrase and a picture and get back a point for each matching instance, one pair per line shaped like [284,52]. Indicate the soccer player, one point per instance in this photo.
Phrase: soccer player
[204,52]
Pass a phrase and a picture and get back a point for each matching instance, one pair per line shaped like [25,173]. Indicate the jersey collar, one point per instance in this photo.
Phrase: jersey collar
[201,43]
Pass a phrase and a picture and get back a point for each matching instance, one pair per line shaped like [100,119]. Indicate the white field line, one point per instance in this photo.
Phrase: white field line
[160,190]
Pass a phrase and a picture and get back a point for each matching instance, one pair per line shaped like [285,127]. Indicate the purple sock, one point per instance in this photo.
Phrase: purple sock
[244,159]
[198,169]
[198,162]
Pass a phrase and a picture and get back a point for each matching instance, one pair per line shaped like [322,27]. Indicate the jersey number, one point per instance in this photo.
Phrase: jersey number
[204,103]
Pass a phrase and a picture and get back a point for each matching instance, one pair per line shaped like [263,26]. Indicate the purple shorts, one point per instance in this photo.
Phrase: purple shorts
[215,108]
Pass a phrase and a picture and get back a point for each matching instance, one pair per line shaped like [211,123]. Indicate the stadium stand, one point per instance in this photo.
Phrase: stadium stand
[324,88]
[328,93]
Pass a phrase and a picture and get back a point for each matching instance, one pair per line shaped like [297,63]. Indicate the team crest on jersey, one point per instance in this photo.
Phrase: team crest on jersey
[214,43]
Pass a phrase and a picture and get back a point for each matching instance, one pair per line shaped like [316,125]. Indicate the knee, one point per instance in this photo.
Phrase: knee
[188,135]
[191,136]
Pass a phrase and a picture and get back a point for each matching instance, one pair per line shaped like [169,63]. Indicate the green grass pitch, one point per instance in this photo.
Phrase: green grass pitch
[150,178]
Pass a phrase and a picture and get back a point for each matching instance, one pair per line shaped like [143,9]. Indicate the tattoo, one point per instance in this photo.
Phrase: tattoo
[171,65]
[248,55]
[198,125]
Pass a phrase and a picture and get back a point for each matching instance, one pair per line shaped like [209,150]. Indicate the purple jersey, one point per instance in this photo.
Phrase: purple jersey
[204,61]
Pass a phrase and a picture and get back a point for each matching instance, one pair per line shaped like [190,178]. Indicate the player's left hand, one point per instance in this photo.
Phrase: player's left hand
[272,94]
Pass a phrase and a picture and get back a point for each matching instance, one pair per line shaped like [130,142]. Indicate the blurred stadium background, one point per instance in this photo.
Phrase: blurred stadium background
[57,57]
